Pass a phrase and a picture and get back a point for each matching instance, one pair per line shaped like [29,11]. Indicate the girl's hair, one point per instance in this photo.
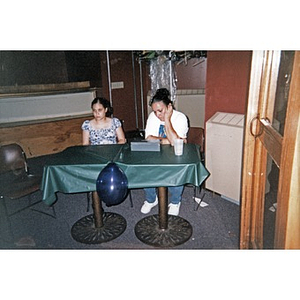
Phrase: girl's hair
[161,95]
[105,103]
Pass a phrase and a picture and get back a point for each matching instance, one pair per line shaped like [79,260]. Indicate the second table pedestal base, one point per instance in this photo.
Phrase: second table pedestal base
[149,232]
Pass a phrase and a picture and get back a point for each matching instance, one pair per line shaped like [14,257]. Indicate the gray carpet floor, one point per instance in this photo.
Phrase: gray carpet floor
[215,226]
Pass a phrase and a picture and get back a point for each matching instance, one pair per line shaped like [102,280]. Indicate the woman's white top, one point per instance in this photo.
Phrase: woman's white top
[178,119]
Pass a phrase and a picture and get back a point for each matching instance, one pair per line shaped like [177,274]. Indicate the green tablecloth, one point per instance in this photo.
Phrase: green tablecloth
[76,169]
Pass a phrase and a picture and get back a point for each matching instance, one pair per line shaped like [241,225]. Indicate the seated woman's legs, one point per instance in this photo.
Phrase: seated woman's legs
[152,201]
[150,194]
[175,194]
[175,199]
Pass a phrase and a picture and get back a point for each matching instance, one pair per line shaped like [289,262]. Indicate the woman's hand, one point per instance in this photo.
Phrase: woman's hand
[171,133]
[169,112]
[165,141]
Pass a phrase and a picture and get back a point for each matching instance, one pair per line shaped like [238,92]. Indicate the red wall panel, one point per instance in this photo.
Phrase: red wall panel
[227,81]
[192,75]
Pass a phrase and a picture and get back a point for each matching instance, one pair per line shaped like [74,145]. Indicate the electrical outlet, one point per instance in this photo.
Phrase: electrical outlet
[117,85]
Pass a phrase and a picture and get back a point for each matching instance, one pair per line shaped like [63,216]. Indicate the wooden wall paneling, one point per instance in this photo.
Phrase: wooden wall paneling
[44,138]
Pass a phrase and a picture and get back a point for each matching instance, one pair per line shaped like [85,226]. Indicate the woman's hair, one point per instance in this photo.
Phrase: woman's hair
[161,95]
[105,103]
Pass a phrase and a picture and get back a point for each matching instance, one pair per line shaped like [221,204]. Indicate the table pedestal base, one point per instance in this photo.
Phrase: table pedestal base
[149,232]
[85,231]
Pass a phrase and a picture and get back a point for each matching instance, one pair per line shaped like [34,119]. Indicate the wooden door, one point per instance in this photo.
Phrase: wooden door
[271,142]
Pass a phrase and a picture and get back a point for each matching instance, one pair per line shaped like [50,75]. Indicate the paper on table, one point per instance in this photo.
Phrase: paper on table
[202,204]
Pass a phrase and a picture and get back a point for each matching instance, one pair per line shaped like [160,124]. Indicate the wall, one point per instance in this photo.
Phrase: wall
[44,138]
[19,68]
[53,136]
[227,81]
[191,75]
[32,73]
[190,98]
[42,107]
[127,105]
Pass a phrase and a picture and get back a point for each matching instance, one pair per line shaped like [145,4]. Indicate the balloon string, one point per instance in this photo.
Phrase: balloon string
[90,152]
[118,154]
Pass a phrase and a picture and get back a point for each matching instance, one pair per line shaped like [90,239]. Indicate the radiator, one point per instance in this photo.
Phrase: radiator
[223,153]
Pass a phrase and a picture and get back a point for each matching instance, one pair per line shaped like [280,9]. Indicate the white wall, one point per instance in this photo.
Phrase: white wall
[191,102]
[18,109]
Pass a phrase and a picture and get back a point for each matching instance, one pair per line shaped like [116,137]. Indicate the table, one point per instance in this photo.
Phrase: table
[76,169]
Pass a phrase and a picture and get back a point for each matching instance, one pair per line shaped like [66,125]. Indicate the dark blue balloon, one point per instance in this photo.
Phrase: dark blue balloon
[112,185]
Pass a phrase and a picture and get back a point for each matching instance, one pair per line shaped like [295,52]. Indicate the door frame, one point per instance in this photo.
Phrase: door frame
[260,139]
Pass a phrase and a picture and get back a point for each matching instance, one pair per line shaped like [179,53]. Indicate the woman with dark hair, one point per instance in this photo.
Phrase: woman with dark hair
[102,129]
[164,124]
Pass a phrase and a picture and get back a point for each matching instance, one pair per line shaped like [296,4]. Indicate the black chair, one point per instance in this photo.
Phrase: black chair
[135,135]
[15,180]
[196,136]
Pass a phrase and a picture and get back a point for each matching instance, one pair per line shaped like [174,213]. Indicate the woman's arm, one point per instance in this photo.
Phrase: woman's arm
[120,135]
[152,137]
[85,137]
[170,131]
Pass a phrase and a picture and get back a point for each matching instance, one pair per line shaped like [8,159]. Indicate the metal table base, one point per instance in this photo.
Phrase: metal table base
[163,230]
[99,227]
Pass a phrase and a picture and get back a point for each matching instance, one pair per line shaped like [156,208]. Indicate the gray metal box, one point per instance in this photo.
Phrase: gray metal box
[145,146]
